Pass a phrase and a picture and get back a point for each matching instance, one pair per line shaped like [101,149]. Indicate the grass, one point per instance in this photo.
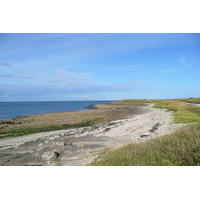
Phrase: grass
[192,100]
[183,113]
[57,160]
[30,130]
[136,101]
[181,148]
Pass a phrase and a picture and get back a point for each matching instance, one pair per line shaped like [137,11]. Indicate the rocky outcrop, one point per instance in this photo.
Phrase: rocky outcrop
[49,156]
[59,143]
[91,107]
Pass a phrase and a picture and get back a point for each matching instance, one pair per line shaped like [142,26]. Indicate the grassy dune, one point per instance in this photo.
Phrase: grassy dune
[181,148]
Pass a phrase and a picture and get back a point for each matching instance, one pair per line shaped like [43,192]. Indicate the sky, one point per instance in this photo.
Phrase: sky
[99,66]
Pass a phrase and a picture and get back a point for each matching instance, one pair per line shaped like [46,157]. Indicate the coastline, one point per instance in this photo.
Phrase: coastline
[13,110]
[102,113]
[80,146]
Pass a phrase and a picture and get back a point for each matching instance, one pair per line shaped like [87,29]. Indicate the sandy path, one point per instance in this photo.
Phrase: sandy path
[82,144]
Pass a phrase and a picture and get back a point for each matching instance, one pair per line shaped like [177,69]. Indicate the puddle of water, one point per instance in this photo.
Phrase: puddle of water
[61,119]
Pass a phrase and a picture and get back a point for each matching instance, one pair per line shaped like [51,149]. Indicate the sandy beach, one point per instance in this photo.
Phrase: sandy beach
[121,124]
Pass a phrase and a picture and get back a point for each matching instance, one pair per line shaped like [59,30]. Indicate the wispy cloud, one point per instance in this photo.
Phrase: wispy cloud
[5,64]
[56,75]
[18,76]
[62,74]
[183,62]
[72,87]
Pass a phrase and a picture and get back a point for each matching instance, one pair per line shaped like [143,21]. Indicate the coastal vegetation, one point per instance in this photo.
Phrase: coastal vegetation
[183,112]
[130,101]
[191,99]
[180,148]
[29,130]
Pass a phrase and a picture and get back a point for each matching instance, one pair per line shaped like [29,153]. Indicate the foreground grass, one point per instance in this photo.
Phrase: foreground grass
[181,148]
[30,130]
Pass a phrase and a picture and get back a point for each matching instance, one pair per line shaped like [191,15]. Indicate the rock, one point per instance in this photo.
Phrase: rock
[155,127]
[59,143]
[91,107]
[18,159]
[8,122]
[49,156]
[107,129]
[144,136]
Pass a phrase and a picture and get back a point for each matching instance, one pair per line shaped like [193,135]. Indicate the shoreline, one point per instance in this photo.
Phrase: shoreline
[80,146]
[60,106]
[102,113]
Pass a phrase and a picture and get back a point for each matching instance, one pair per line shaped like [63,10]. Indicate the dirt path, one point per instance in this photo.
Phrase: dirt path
[75,147]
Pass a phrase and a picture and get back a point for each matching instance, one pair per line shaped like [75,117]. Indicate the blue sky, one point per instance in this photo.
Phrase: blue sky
[42,67]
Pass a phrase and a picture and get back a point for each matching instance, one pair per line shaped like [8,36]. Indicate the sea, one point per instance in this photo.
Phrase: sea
[12,110]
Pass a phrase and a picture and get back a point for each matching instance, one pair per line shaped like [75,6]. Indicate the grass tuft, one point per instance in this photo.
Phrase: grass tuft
[57,160]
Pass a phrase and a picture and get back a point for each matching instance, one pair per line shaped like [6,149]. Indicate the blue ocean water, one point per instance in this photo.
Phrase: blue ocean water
[10,110]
